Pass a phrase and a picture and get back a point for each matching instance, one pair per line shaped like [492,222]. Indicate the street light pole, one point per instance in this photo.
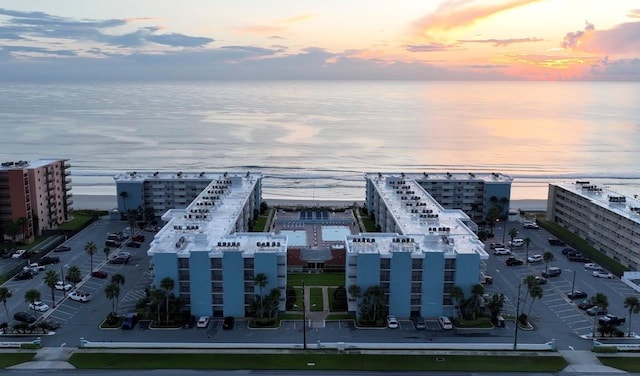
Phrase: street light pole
[515,336]
[304,320]
[573,284]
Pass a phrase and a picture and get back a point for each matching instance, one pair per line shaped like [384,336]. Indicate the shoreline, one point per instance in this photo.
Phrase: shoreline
[110,202]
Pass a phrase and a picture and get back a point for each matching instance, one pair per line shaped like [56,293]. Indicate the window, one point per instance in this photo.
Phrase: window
[248,263]
[216,263]
[385,263]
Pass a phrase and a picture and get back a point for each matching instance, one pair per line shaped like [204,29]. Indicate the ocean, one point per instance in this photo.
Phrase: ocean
[314,140]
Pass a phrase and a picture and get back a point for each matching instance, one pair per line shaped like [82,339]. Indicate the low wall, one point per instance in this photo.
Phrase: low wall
[629,277]
[619,346]
[340,346]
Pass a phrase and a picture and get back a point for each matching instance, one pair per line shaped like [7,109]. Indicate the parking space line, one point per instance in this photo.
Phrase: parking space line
[566,310]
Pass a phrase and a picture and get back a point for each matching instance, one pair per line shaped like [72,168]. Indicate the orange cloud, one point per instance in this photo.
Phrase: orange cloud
[142,19]
[453,14]
[635,13]
[278,26]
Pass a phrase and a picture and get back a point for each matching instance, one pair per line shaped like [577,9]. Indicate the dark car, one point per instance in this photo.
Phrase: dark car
[29,253]
[188,321]
[48,260]
[568,251]
[513,261]
[577,294]
[586,304]
[578,257]
[133,245]
[25,274]
[50,324]
[99,274]
[24,317]
[418,322]
[112,244]
[62,248]
[120,259]
[7,252]
[138,238]
[130,320]
[228,323]
[554,241]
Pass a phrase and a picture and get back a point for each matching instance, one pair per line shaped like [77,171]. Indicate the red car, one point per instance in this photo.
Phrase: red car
[138,238]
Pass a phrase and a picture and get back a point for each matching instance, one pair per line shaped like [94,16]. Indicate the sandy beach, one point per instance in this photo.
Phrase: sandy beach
[108,202]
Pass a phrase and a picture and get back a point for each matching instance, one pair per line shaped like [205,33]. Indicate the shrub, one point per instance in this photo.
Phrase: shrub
[605,349]
[523,319]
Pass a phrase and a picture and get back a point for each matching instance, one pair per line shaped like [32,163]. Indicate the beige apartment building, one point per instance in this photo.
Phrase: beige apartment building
[35,195]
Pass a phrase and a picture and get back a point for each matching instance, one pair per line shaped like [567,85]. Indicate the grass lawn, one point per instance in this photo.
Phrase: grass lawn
[319,362]
[316,279]
[261,222]
[297,306]
[628,364]
[331,291]
[315,299]
[11,359]
[77,221]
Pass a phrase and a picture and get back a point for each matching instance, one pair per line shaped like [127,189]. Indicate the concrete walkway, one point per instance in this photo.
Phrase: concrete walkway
[49,358]
[585,362]
[316,318]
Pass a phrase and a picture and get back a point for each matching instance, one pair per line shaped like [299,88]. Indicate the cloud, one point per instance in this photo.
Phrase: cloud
[501,42]
[623,39]
[453,14]
[572,40]
[431,47]
[276,27]
[635,13]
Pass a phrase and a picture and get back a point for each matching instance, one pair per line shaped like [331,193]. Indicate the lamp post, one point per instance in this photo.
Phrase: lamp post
[515,336]
[304,320]
[573,284]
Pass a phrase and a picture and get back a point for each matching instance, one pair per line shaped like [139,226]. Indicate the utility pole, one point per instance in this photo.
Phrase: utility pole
[573,284]
[304,319]
[515,336]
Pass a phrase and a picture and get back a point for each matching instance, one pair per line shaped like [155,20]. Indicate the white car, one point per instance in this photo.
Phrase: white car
[602,274]
[18,254]
[39,306]
[34,266]
[392,322]
[530,225]
[501,251]
[445,323]
[535,258]
[80,296]
[592,266]
[63,286]
[203,322]
[516,242]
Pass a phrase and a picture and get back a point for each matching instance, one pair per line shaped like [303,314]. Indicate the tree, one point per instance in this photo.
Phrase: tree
[50,279]
[118,279]
[457,294]
[106,251]
[633,305]
[547,256]
[74,275]
[124,196]
[261,281]
[91,250]
[22,224]
[535,292]
[31,296]
[372,305]
[477,291]
[529,281]
[527,243]
[355,291]
[503,204]
[167,284]
[11,228]
[112,291]
[513,232]
[495,305]
[131,218]
[5,294]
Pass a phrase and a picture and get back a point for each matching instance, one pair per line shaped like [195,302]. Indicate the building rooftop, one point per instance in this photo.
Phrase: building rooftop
[425,225]
[487,177]
[625,206]
[208,223]
[171,175]
[27,164]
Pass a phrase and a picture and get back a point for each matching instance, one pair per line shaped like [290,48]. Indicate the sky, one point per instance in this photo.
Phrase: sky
[54,40]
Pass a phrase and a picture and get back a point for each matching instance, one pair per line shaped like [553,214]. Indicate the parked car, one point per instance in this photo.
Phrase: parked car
[121,258]
[35,266]
[31,269]
[203,322]
[513,261]
[602,274]
[558,242]
[445,323]
[99,274]
[28,254]
[24,274]
[112,244]
[501,251]
[62,248]
[63,286]
[541,280]
[530,225]
[418,322]
[50,324]
[130,321]
[80,296]
[392,322]
[568,251]
[486,279]
[586,304]
[496,245]
[597,311]
[18,254]
[24,317]
[592,266]
[611,320]
[39,306]
[7,253]
[535,258]
[516,242]
[578,257]
[152,228]
[49,260]
[188,321]
[553,271]
[228,323]
[133,245]
[577,294]
[138,238]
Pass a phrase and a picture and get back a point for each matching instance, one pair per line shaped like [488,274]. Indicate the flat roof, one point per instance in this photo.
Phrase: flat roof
[421,219]
[208,222]
[10,165]
[625,206]
[486,177]
[136,176]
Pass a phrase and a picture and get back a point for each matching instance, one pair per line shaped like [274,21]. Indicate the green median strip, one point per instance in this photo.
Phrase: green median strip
[11,359]
[320,362]
[629,364]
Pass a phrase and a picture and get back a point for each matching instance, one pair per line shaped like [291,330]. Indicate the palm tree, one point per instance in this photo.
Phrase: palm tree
[547,256]
[11,228]
[633,305]
[527,243]
[5,294]
[112,291]
[535,292]
[50,279]
[457,294]
[167,284]
[513,232]
[355,291]
[74,275]
[602,302]
[476,294]
[106,251]
[124,196]
[22,224]
[261,281]
[31,296]
[91,250]
[118,279]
